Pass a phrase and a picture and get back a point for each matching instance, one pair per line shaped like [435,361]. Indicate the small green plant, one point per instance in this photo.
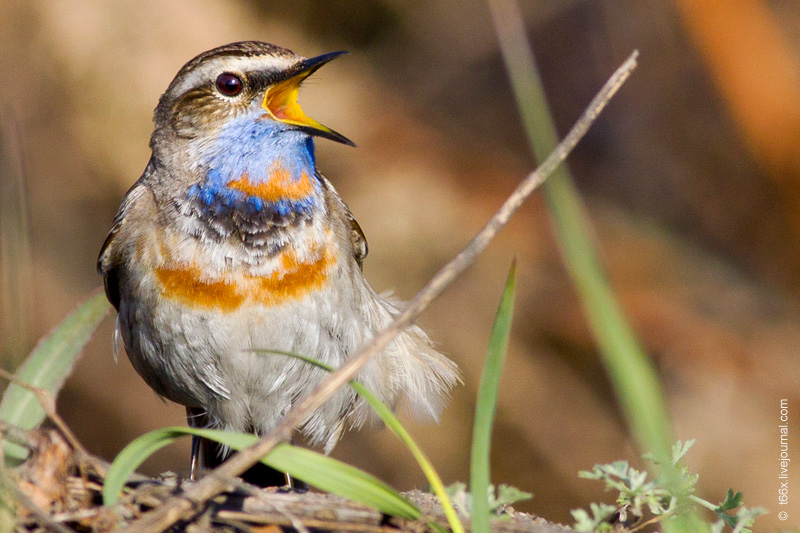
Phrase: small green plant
[497,498]
[662,500]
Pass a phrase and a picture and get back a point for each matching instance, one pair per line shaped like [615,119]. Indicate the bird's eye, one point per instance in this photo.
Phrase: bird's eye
[229,84]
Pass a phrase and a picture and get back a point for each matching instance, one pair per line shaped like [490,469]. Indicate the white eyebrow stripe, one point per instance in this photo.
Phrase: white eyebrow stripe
[213,68]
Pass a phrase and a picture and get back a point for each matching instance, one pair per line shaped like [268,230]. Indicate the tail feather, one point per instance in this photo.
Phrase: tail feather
[410,374]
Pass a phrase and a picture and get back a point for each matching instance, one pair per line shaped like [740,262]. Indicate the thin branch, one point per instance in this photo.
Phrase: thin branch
[17,435]
[220,478]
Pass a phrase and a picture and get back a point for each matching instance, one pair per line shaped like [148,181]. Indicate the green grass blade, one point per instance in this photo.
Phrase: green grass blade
[635,381]
[345,480]
[48,365]
[16,265]
[393,423]
[314,468]
[632,374]
[487,402]
[132,456]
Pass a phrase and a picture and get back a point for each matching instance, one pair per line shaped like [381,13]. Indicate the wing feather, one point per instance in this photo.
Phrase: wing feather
[356,234]
[108,262]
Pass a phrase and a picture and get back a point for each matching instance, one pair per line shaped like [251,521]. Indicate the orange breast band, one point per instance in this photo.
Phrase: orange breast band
[292,280]
[280,186]
[187,286]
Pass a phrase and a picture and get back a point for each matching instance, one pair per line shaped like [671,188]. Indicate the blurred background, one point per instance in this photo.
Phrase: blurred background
[692,178]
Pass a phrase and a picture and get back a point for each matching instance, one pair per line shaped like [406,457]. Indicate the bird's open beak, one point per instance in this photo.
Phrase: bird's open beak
[280,100]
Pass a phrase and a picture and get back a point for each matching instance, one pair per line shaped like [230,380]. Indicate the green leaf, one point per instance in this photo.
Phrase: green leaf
[487,403]
[745,518]
[393,423]
[47,367]
[314,468]
[457,492]
[679,449]
[597,521]
[509,495]
[618,468]
[731,501]
[505,495]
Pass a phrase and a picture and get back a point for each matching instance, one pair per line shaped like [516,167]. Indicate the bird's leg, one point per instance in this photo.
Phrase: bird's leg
[196,419]
[292,483]
[206,455]
[195,458]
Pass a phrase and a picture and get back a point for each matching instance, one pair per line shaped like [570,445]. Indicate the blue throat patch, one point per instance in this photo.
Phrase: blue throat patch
[254,151]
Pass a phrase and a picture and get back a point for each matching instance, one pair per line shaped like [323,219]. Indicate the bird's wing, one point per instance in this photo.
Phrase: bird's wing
[356,234]
[360,248]
[108,262]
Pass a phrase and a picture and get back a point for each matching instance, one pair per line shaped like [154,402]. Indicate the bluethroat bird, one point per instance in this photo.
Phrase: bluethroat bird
[232,243]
